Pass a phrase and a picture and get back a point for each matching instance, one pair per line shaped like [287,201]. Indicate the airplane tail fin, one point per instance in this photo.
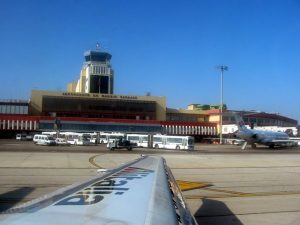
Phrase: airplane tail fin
[239,122]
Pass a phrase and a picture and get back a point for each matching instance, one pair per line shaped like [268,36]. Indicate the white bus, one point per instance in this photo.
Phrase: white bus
[74,138]
[93,138]
[115,136]
[141,140]
[173,142]
[50,133]
[103,137]
[110,137]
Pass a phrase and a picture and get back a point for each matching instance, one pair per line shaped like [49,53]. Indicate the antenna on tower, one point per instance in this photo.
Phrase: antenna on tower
[97,46]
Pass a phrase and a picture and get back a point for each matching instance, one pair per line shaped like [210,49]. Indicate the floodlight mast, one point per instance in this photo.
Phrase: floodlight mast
[222,68]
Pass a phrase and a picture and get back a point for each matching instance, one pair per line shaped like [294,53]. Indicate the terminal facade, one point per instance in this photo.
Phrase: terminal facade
[90,105]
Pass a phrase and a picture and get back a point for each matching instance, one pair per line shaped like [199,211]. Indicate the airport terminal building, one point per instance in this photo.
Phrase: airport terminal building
[90,105]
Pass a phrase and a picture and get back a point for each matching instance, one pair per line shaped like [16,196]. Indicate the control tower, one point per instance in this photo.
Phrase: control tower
[96,75]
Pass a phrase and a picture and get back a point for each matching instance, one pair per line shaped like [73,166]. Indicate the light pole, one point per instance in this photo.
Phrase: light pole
[222,68]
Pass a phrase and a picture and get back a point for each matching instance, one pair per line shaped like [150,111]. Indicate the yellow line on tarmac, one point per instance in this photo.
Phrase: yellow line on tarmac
[186,185]
[92,161]
[226,191]
[261,194]
[271,193]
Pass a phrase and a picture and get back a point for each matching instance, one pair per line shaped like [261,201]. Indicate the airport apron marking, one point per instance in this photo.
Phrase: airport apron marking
[242,195]
[187,186]
[92,161]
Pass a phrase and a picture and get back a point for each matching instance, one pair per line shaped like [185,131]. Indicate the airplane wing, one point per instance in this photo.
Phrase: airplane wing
[141,192]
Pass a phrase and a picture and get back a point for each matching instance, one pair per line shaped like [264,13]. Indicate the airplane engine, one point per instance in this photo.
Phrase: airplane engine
[258,137]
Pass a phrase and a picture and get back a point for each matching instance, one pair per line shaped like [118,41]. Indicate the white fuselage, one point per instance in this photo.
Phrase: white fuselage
[263,137]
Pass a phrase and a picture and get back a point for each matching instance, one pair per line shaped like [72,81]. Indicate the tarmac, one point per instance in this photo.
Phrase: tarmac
[221,184]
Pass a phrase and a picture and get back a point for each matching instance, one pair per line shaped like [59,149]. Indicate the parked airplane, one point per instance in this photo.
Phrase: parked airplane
[268,138]
[143,191]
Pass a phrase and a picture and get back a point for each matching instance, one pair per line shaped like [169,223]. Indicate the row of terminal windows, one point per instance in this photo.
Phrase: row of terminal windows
[182,118]
[14,109]
[53,104]
[102,127]
[258,121]
[267,122]
[186,117]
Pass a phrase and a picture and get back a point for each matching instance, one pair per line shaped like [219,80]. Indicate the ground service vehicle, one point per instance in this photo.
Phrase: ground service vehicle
[173,142]
[120,143]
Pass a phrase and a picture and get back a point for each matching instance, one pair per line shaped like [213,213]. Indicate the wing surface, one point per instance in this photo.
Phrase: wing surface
[140,192]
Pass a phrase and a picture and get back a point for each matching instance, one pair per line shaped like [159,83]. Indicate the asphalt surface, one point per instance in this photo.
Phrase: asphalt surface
[234,186]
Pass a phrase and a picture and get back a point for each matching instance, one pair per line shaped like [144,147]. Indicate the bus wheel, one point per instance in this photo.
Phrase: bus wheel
[156,146]
[177,147]
[111,149]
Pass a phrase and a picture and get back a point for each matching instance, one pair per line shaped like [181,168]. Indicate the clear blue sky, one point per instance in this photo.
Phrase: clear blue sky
[168,48]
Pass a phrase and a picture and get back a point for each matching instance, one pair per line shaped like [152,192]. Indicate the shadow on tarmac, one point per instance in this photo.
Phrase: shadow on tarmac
[12,198]
[213,212]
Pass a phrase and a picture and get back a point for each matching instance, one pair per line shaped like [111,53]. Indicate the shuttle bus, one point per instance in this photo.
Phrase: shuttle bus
[94,138]
[173,142]
[50,133]
[110,137]
[115,136]
[74,138]
[141,140]
[103,137]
